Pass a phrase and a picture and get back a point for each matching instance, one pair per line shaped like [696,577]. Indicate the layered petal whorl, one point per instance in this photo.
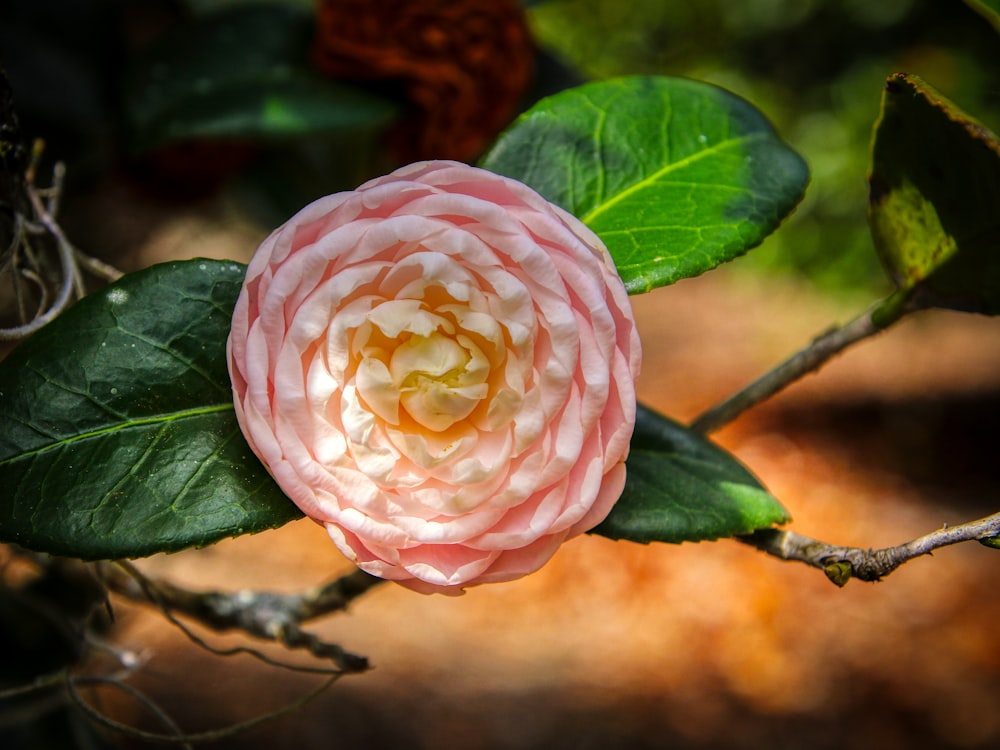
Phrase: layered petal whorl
[439,367]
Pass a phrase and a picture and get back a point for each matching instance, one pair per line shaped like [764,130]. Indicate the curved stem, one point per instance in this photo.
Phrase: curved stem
[213,735]
[144,700]
[70,258]
[69,271]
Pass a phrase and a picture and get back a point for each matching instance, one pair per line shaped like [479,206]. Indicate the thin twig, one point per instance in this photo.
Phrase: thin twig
[53,193]
[18,713]
[70,274]
[97,267]
[334,596]
[44,204]
[807,360]
[243,609]
[261,614]
[134,693]
[197,737]
[42,682]
[244,650]
[839,563]
[844,563]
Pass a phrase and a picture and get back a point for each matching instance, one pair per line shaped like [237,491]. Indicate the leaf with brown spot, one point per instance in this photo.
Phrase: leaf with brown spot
[934,199]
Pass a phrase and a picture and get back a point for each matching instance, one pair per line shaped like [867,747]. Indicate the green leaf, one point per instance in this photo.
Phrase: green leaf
[675,176]
[241,73]
[118,436]
[934,192]
[989,9]
[681,487]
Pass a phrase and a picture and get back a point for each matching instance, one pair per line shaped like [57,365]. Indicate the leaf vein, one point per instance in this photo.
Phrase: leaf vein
[177,355]
[132,471]
[202,467]
[667,169]
[163,419]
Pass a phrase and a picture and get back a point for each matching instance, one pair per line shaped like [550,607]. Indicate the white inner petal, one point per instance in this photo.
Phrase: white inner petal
[441,379]
[426,374]
[377,388]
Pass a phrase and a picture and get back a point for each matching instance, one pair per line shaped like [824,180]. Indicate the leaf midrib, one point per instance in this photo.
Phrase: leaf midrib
[658,175]
[158,419]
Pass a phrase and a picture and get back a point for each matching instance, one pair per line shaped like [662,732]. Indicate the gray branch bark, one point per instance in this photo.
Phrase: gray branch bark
[841,564]
[261,614]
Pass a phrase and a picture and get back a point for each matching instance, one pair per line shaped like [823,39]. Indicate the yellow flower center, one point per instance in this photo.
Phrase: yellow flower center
[441,379]
[422,363]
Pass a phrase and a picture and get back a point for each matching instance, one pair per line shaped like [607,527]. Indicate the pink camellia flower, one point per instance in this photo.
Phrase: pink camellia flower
[440,368]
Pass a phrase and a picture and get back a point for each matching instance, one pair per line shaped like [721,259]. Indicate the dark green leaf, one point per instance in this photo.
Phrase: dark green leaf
[934,197]
[117,431]
[989,9]
[241,73]
[674,175]
[683,488]
[993,541]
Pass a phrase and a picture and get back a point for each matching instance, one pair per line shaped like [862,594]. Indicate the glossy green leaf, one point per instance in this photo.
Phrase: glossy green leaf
[117,431]
[681,487]
[241,73]
[934,197]
[675,176]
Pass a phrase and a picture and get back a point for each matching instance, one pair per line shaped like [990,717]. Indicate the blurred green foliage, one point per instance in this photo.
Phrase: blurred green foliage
[816,68]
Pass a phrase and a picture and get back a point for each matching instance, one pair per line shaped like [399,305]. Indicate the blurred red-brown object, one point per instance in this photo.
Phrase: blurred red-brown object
[463,65]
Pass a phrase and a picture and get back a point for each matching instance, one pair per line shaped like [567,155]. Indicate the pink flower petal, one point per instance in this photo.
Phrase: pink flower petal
[439,367]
